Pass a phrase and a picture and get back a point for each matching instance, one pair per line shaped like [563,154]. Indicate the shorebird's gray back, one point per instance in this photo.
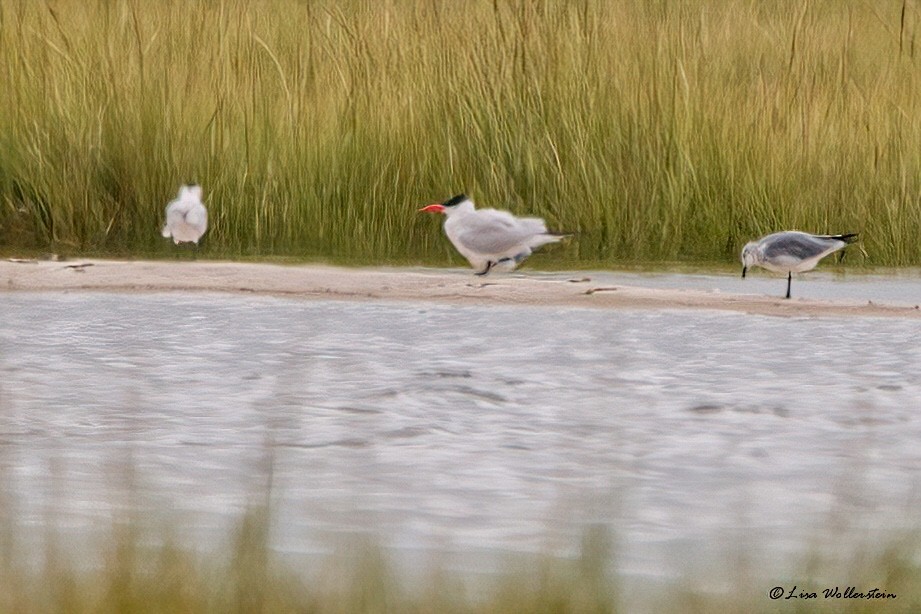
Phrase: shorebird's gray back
[798,245]
[794,251]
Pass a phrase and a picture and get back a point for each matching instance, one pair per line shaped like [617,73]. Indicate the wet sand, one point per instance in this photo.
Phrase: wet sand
[449,286]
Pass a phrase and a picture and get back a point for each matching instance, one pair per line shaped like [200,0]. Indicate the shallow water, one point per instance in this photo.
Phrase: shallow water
[697,437]
[893,286]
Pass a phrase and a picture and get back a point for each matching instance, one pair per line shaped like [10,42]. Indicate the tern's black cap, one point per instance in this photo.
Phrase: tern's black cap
[455,200]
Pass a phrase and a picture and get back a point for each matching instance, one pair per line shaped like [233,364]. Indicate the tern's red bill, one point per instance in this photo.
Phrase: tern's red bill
[436,208]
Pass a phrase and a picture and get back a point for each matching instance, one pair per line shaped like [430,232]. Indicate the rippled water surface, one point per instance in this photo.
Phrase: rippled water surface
[691,434]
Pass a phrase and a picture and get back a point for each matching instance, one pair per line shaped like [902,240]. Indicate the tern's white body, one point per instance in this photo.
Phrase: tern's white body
[186,216]
[488,237]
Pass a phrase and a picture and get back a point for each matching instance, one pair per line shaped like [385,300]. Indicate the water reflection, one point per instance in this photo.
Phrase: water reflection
[459,429]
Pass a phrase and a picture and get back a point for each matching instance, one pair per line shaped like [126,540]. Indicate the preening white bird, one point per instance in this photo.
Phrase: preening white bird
[489,237]
[791,252]
[186,216]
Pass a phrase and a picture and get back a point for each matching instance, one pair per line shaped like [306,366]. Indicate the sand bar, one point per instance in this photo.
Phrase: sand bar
[447,286]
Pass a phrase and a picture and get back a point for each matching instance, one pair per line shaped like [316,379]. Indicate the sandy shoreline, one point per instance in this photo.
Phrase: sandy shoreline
[406,284]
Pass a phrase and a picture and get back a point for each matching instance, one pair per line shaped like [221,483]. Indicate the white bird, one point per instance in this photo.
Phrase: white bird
[186,216]
[489,237]
[791,252]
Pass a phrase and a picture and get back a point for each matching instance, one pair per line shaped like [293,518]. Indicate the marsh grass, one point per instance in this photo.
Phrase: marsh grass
[144,571]
[656,131]
[137,569]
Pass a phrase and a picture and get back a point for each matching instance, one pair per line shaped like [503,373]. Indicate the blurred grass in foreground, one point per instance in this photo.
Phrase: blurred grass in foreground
[143,572]
[658,131]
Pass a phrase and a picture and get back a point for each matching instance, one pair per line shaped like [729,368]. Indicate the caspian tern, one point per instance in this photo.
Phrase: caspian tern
[186,216]
[489,237]
[791,252]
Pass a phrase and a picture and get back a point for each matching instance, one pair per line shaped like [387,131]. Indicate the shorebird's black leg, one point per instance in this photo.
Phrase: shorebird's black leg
[789,281]
[489,265]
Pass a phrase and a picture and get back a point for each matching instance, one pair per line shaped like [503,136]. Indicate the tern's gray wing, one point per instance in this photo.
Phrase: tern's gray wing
[197,216]
[186,211]
[176,210]
[532,225]
[175,215]
[492,232]
[797,245]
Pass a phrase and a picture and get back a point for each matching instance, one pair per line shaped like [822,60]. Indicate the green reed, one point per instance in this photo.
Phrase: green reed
[655,131]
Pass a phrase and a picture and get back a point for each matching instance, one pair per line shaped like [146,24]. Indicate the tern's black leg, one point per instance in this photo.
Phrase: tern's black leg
[789,281]
[489,265]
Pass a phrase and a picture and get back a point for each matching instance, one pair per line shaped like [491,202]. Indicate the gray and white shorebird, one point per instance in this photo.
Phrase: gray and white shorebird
[488,237]
[791,252]
[186,216]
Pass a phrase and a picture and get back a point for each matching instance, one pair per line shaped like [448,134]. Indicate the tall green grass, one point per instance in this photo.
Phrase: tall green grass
[657,131]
